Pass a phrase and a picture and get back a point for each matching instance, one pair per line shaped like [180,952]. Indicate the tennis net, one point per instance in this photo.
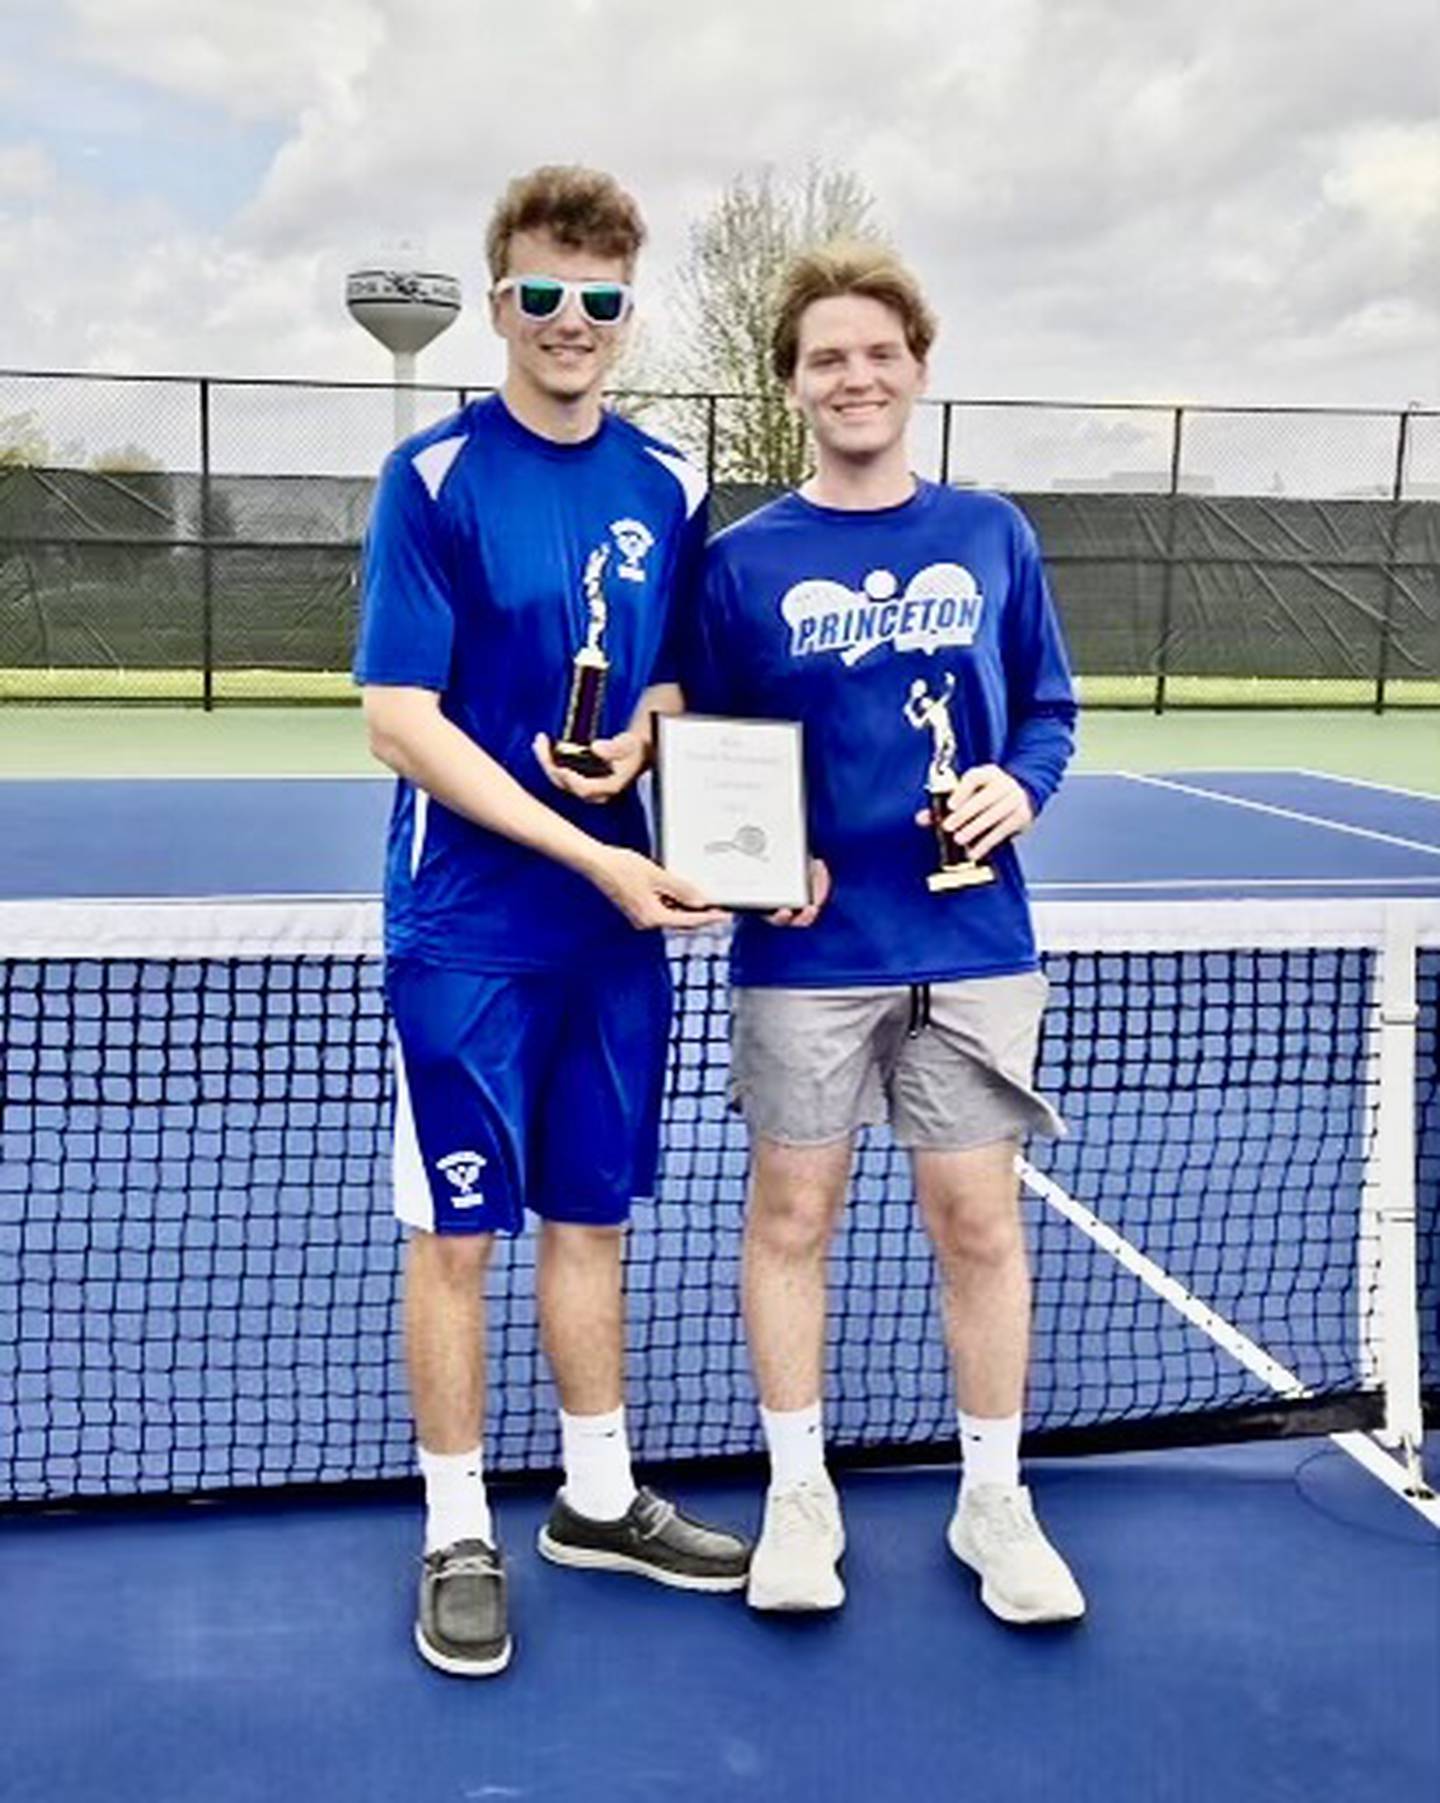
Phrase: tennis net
[199,1268]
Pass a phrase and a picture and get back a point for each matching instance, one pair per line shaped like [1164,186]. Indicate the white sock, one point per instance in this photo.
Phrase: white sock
[989,1451]
[598,1480]
[456,1506]
[796,1443]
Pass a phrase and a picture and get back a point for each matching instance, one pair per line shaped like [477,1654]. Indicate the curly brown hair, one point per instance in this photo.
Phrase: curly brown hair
[847,266]
[582,209]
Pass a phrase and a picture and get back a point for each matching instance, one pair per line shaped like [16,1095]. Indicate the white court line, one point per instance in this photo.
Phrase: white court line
[1356,782]
[1265,807]
[1370,884]
[203,776]
[1367,1451]
[1229,1338]
[1111,776]
[1211,770]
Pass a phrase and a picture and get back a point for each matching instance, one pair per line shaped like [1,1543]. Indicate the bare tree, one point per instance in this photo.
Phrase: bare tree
[724,309]
[125,460]
[23,443]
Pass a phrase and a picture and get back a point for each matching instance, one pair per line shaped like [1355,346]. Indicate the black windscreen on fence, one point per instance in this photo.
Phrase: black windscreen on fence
[169,585]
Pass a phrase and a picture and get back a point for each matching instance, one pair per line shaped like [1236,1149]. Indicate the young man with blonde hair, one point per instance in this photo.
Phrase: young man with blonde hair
[527,544]
[909,627]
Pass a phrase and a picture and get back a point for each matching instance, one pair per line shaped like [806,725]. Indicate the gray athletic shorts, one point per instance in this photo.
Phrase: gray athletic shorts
[948,1065]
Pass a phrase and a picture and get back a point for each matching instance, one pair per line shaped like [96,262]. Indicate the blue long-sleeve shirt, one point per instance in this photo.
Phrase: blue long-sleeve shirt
[856,624]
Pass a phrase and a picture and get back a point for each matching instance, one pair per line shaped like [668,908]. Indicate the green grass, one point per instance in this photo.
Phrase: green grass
[102,684]
[1254,691]
[1401,748]
[134,740]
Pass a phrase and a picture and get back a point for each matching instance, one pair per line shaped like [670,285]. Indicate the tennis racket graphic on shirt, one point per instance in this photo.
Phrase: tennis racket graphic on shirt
[940,605]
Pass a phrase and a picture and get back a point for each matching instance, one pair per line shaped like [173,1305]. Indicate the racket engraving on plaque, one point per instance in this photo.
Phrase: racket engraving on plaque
[731,799]
[751,841]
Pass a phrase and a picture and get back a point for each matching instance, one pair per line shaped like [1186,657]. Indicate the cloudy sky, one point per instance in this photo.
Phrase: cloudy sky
[1226,200]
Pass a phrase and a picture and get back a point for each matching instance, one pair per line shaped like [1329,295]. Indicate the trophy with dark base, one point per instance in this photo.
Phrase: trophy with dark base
[575,749]
[957,869]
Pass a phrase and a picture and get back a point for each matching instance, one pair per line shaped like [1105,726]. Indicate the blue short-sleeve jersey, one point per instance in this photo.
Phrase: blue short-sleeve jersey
[474,586]
[856,623]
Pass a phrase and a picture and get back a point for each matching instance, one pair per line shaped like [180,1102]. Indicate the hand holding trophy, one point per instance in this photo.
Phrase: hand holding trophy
[957,869]
[575,748]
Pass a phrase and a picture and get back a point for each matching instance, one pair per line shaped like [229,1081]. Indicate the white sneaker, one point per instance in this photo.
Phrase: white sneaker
[1022,1577]
[793,1566]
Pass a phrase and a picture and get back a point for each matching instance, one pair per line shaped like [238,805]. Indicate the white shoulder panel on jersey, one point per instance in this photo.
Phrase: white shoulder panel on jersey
[691,481]
[433,463]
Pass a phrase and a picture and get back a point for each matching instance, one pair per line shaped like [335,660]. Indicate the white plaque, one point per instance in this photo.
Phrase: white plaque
[731,799]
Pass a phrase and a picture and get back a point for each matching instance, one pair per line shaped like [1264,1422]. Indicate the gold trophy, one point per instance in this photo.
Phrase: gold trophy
[574,749]
[958,870]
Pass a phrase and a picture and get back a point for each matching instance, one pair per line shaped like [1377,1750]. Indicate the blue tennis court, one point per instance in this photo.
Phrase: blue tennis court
[196,1270]
[1199,835]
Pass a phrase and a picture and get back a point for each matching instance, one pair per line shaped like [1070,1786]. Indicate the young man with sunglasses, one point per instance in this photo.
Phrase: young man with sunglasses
[909,627]
[526,969]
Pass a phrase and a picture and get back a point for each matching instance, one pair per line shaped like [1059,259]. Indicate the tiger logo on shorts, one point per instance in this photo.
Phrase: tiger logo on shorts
[463,1171]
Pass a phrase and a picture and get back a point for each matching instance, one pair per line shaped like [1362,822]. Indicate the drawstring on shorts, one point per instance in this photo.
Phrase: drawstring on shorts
[919,1010]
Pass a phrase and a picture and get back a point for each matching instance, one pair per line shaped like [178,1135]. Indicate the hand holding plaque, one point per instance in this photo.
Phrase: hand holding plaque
[575,748]
[956,869]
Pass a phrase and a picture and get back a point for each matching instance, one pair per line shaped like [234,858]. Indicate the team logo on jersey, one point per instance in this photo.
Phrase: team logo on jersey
[463,1170]
[634,539]
[941,605]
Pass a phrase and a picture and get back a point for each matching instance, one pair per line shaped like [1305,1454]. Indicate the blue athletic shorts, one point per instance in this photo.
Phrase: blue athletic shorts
[536,1090]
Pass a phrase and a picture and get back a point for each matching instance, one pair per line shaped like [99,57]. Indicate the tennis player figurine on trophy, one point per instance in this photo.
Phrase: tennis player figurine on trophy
[574,748]
[958,870]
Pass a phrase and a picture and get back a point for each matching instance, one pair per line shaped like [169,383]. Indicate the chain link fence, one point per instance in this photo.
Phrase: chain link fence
[196,540]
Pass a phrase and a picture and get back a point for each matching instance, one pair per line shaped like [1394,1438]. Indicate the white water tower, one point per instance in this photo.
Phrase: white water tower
[405,308]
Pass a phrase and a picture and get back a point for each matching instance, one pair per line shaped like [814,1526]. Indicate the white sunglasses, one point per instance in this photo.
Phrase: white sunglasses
[543,296]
